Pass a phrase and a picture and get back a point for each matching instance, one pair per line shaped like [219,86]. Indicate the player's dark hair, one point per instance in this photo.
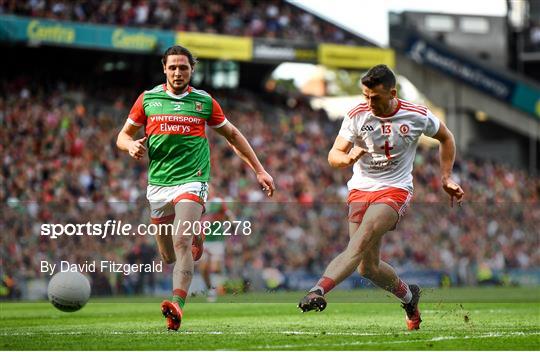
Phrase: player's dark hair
[179,50]
[380,74]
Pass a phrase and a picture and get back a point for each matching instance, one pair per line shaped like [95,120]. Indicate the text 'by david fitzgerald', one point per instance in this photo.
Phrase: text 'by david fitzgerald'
[104,266]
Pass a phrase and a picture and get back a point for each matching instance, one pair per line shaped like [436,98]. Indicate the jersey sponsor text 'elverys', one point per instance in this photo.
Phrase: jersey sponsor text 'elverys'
[175,125]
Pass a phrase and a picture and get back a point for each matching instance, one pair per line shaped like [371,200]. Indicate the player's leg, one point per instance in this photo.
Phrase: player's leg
[371,267]
[377,220]
[206,272]
[164,238]
[166,250]
[205,267]
[187,212]
[381,273]
[384,276]
[215,256]
[162,216]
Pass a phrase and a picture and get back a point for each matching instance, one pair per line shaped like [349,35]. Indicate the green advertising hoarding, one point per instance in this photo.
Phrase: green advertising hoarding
[43,31]
[527,98]
[37,31]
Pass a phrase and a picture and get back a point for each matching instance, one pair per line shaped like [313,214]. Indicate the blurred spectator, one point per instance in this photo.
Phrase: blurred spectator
[253,18]
[60,164]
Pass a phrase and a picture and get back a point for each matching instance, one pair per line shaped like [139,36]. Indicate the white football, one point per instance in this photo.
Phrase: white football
[69,291]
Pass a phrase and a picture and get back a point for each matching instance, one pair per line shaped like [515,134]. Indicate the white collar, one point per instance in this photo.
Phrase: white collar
[178,96]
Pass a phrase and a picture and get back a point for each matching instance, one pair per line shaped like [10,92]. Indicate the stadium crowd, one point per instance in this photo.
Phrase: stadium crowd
[269,19]
[60,165]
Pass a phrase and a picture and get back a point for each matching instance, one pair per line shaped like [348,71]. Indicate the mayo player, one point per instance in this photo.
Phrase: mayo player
[174,116]
[219,218]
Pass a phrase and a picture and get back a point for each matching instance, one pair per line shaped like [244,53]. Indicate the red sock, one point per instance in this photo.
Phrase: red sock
[179,296]
[402,292]
[180,293]
[325,284]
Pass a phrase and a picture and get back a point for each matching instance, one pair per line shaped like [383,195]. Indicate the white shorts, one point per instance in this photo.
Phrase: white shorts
[163,198]
[216,249]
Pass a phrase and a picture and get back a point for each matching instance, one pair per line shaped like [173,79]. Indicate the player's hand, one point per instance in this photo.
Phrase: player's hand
[137,148]
[267,183]
[453,190]
[356,153]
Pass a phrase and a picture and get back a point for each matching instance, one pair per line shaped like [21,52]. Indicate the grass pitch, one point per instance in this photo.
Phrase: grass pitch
[457,319]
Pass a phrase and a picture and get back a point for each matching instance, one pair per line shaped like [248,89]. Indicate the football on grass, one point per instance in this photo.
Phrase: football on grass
[69,291]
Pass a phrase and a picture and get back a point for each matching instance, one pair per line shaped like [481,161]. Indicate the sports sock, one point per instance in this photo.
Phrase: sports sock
[402,292]
[179,296]
[323,286]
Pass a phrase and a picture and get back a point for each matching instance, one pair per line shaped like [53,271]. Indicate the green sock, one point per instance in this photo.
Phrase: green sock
[181,302]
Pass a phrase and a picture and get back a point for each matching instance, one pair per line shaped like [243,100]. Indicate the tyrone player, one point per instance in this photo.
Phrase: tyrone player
[175,116]
[379,137]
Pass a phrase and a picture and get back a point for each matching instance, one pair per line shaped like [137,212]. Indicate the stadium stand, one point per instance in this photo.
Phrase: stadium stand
[274,19]
[67,135]
[60,163]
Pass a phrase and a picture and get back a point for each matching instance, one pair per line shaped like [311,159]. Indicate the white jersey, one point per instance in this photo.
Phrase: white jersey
[391,143]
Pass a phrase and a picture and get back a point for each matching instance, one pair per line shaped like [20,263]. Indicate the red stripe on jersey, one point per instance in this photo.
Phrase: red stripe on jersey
[176,124]
[410,103]
[356,111]
[424,113]
[420,107]
[359,106]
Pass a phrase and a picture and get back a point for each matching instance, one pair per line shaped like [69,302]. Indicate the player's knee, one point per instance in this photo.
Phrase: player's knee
[183,244]
[367,230]
[168,258]
[357,248]
[365,239]
[367,269]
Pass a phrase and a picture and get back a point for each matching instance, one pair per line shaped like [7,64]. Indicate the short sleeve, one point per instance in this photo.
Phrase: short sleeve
[136,115]
[347,129]
[432,124]
[217,119]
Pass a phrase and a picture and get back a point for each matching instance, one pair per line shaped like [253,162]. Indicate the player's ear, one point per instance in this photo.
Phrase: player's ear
[393,91]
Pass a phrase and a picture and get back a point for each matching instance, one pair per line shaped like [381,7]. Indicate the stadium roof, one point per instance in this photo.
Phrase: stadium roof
[363,40]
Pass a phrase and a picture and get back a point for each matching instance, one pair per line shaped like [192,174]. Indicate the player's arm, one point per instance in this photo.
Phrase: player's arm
[136,119]
[343,153]
[242,148]
[447,153]
[126,142]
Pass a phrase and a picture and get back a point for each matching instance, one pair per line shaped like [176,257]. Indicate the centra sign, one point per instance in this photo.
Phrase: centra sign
[138,40]
[39,31]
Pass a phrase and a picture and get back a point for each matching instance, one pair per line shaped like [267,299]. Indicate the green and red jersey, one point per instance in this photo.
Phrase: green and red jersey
[176,128]
[216,214]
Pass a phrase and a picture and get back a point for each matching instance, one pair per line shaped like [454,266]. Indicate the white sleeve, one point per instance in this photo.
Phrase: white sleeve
[347,129]
[432,124]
